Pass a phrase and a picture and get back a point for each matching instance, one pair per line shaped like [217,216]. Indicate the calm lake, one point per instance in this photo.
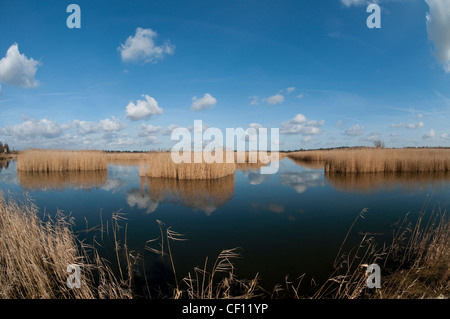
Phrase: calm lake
[289,223]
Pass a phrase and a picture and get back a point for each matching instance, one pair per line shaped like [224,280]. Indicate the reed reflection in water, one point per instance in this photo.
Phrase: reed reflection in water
[372,182]
[62,180]
[206,195]
[309,164]
[4,164]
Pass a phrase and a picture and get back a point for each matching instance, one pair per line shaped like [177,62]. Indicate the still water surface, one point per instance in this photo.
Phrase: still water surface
[289,223]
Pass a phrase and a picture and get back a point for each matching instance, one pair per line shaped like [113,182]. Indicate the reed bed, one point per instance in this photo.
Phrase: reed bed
[34,256]
[161,165]
[373,160]
[253,160]
[36,251]
[36,160]
[126,158]
[206,194]
[312,156]
[61,180]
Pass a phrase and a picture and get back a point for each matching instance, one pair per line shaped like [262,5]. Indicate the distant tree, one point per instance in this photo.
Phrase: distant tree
[2,149]
[378,144]
[6,149]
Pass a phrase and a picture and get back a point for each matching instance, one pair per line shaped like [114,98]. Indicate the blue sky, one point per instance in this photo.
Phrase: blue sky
[137,69]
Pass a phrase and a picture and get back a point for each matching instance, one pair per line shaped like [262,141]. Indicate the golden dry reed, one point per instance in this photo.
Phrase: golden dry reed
[61,180]
[372,160]
[125,158]
[160,164]
[253,160]
[36,160]
[35,255]
[415,265]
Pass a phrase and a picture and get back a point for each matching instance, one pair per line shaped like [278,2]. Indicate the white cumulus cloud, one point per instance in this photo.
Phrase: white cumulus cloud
[354,130]
[349,3]
[86,127]
[17,69]
[409,125]
[143,201]
[143,109]
[275,99]
[300,125]
[438,26]
[31,128]
[290,89]
[430,134]
[254,101]
[207,101]
[142,48]
[168,131]
[112,125]
[148,129]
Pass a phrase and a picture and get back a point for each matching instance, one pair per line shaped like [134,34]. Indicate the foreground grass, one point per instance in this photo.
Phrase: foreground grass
[34,256]
[416,264]
[373,160]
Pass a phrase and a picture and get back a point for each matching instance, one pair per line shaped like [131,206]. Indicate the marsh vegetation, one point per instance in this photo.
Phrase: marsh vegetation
[375,160]
[36,160]
[36,249]
[35,253]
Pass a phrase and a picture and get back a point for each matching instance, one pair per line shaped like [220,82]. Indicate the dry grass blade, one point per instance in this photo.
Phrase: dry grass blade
[173,235]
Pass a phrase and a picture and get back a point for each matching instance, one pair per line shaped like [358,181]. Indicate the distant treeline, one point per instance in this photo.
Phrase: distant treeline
[5,149]
[363,147]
